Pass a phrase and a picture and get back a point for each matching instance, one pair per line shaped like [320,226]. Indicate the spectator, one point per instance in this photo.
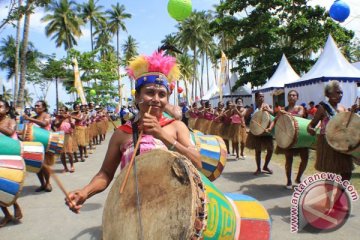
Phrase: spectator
[312,110]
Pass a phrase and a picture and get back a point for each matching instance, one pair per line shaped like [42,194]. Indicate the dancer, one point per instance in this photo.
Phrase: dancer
[65,123]
[159,132]
[8,128]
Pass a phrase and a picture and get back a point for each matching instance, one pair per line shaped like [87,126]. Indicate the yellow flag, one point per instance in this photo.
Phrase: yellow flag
[222,78]
[78,83]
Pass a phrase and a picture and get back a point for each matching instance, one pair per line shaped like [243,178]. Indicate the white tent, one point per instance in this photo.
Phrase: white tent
[244,92]
[275,85]
[331,65]
[356,64]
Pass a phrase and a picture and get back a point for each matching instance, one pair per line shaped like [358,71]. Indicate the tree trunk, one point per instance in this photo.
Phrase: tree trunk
[202,76]
[91,35]
[194,76]
[118,69]
[207,72]
[17,54]
[20,100]
[57,93]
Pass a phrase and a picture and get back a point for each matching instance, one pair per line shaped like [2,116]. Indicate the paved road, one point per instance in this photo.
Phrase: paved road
[46,217]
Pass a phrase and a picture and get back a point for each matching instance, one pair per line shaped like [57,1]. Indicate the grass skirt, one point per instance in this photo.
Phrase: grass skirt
[80,136]
[295,151]
[329,160]
[49,159]
[238,133]
[191,122]
[226,131]
[216,128]
[68,143]
[259,142]
[205,126]
[199,122]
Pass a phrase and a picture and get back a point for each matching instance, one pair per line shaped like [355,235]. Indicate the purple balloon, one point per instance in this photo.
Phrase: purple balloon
[339,11]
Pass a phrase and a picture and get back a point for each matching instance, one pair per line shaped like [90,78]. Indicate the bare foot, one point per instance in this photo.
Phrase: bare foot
[48,188]
[257,172]
[267,171]
[5,221]
[18,214]
[72,169]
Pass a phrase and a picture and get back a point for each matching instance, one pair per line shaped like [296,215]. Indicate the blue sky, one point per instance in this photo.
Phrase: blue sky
[149,24]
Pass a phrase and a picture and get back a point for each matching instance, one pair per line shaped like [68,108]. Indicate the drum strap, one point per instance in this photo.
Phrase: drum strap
[135,132]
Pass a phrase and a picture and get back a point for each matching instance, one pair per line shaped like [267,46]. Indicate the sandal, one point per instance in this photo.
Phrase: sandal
[267,171]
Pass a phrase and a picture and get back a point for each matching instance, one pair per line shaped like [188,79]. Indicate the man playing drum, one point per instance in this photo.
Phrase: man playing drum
[327,159]
[152,75]
[261,142]
[297,111]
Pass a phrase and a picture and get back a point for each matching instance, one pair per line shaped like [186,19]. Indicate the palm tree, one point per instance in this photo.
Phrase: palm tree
[17,54]
[7,49]
[27,97]
[129,50]
[171,40]
[116,23]
[64,25]
[92,13]
[7,95]
[186,70]
[192,32]
[23,53]
[103,39]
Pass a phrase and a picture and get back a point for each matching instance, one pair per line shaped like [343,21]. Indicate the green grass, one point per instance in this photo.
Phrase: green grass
[310,170]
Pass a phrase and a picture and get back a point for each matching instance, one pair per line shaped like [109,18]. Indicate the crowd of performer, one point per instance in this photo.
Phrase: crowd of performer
[229,122]
[84,127]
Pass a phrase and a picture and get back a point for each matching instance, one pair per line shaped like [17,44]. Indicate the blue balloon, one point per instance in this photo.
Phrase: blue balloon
[339,11]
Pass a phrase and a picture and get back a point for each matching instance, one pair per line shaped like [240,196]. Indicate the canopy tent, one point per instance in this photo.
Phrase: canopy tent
[331,65]
[275,85]
[244,92]
[356,64]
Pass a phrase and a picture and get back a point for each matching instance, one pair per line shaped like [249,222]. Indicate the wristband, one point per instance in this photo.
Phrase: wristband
[172,147]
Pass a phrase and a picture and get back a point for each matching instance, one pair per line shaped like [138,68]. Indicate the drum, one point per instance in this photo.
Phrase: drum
[179,203]
[53,141]
[259,122]
[12,175]
[342,138]
[291,132]
[31,152]
[213,153]
[255,220]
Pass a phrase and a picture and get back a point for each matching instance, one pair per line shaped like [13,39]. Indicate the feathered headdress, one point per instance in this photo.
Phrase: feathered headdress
[157,68]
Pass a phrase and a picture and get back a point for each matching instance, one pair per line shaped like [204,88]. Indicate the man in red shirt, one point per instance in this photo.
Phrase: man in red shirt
[312,110]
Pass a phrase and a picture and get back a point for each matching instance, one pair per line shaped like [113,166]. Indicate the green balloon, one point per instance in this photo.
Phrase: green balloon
[92,92]
[179,9]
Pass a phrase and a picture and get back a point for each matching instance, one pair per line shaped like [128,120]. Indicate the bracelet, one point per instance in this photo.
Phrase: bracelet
[172,147]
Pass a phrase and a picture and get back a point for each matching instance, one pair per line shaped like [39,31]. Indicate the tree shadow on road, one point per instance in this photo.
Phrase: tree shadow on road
[242,177]
[94,233]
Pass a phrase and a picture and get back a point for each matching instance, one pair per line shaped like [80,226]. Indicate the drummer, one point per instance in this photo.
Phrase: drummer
[298,111]
[43,120]
[8,128]
[327,159]
[152,95]
[261,142]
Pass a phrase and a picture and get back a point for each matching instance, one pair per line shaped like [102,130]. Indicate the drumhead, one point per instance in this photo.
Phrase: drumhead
[342,138]
[285,131]
[259,122]
[168,199]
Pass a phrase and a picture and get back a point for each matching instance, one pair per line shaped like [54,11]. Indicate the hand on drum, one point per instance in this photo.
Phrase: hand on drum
[311,131]
[150,125]
[77,199]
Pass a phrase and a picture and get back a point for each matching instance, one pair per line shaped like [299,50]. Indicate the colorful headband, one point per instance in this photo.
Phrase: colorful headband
[157,68]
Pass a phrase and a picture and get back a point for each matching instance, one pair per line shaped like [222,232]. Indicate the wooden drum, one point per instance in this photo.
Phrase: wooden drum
[259,122]
[291,132]
[344,139]
[12,175]
[176,202]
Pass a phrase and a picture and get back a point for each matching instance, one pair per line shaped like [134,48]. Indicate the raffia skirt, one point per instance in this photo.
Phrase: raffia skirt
[68,143]
[80,136]
[259,142]
[87,135]
[191,123]
[226,131]
[199,122]
[238,133]
[215,128]
[49,159]
[295,151]
[329,160]
[205,127]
